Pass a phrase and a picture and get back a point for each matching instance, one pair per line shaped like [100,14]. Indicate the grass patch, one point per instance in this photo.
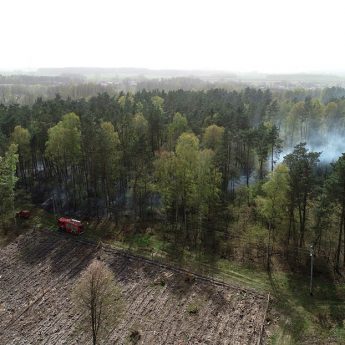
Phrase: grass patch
[192,308]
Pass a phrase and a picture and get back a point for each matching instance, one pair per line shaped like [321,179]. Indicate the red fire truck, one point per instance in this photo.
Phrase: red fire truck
[24,214]
[70,225]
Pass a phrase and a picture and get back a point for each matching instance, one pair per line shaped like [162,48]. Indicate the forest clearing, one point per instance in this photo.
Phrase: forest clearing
[39,269]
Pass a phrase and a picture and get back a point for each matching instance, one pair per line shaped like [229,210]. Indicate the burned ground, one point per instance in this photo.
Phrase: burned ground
[160,306]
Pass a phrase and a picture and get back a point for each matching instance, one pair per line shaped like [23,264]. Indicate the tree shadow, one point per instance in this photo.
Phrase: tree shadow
[292,297]
[35,247]
[70,255]
[297,324]
[58,251]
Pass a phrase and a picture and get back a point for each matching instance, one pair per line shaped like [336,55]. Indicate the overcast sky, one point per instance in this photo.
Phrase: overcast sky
[244,35]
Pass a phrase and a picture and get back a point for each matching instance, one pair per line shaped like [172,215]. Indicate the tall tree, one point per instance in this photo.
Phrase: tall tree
[213,137]
[273,203]
[275,143]
[302,179]
[63,149]
[63,145]
[262,147]
[155,121]
[141,163]
[178,125]
[21,137]
[97,298]
[189,183]
[108,158]
[8,181]
[335,187]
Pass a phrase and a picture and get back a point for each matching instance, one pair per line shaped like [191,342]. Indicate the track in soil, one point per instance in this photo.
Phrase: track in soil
[38,272]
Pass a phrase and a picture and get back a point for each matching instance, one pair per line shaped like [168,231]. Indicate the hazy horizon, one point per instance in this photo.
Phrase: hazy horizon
[180,72]
[274,37]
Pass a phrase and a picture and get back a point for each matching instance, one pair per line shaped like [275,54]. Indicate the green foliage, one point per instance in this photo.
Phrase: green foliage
[301,164]
[176,128]
[335,184]
[108,150]
[213,137]
[302,182]
[335,194]
[274,202]
[188,182]
[140,125]
[187,178]
[189,160]
[192,308]
[141,241]
[21,137]
[8,181]
[208,180]
[255,235]
[64,141]
[158,103]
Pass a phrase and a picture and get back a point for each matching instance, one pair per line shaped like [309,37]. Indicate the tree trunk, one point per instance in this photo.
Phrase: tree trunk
[339,239]
[269,248]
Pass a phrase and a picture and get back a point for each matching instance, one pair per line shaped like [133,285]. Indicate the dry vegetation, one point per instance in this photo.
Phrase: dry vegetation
[160,306]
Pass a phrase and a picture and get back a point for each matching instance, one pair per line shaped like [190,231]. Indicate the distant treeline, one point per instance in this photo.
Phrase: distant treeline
[23,79]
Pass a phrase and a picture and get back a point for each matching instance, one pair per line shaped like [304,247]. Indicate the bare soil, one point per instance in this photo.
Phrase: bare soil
[160,305]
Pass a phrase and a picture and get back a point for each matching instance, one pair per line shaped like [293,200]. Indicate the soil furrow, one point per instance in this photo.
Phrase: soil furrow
[40,269]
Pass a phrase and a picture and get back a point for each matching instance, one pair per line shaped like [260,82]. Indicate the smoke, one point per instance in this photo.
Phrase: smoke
[331,147]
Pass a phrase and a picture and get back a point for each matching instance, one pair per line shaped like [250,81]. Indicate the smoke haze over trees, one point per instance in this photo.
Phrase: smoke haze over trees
[196,159]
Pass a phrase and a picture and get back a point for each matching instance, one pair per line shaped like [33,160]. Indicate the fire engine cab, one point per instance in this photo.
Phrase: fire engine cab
[25,214]
[70,225]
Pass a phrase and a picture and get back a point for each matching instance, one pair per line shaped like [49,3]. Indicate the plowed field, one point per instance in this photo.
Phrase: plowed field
[37,273]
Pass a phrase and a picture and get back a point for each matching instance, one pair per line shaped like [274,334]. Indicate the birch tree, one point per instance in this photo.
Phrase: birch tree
[97,299]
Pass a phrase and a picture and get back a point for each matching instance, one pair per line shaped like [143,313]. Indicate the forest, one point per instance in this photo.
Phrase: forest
[245,175]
